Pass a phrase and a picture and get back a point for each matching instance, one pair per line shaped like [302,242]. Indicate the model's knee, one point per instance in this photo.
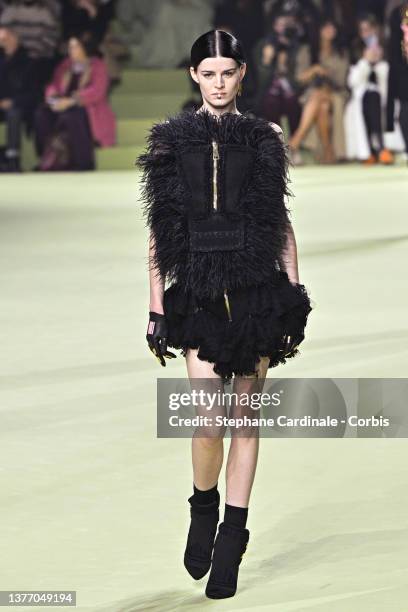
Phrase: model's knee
[244,434]
[209,438]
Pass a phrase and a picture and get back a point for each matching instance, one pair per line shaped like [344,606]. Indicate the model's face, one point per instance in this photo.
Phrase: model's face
[219,79]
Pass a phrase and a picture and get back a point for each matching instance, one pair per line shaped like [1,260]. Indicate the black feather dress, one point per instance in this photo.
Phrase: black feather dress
[214,194]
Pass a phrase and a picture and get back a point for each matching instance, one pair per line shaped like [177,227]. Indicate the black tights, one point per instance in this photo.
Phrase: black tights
[12,118]
[403,121]
[372,117]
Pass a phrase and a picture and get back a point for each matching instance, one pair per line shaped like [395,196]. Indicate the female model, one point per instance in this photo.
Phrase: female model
[214,186]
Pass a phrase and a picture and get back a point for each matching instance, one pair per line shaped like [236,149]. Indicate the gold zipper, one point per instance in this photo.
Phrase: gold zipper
[227,304]
[216,157]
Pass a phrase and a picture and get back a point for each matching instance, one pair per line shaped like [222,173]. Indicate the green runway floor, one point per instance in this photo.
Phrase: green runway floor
[92,501]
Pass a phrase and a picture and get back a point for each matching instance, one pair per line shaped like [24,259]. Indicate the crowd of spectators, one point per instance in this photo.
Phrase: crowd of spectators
[335,71]
[331,69]
[55,81]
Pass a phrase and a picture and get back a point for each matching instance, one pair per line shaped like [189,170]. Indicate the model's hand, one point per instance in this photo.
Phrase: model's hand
[292,340]
[290,343]
[157,337]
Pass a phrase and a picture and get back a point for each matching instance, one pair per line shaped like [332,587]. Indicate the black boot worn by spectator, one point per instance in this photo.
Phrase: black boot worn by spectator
[200,540]
[229,547]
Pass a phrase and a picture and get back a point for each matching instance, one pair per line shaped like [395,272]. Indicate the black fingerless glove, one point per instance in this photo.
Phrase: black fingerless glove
[294,322]
[157,337]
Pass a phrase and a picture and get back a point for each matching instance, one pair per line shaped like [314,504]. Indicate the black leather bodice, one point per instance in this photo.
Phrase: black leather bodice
[216,175]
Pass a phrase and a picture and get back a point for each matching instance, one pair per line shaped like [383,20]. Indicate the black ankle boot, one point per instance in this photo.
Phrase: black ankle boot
[200,540]
[230,544]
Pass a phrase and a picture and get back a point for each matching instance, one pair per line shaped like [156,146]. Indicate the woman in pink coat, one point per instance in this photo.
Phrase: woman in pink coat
[76,115]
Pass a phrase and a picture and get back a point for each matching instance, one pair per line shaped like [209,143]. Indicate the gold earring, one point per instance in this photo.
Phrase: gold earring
[239,92]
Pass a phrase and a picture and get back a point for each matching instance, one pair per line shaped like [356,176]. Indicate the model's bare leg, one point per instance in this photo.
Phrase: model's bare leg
[207,455]
[207,443]
[243,451]
[309,116]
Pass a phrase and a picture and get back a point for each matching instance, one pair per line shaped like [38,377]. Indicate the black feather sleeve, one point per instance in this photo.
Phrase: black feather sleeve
[162,204]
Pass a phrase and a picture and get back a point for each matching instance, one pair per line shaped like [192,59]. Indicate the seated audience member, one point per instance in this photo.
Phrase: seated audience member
[364,119]
[369,33]
[322,70]
[398,73]
[17,96]
[276,59]
[37,23]
[76,114]
[96,16]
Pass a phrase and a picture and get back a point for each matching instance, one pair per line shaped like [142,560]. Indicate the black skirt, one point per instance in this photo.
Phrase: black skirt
[235,330]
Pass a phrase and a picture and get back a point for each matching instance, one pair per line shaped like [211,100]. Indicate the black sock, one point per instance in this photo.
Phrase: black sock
[235,515]
[207,496]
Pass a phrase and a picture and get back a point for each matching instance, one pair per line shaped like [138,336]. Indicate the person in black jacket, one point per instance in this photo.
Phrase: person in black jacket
[17,95]
[398,73]
[87,16]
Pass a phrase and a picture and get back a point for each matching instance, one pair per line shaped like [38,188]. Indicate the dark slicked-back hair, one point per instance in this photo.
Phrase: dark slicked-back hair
[216,43]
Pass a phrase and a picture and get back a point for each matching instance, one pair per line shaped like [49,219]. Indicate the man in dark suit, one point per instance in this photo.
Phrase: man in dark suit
[398,73]
[17,95]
